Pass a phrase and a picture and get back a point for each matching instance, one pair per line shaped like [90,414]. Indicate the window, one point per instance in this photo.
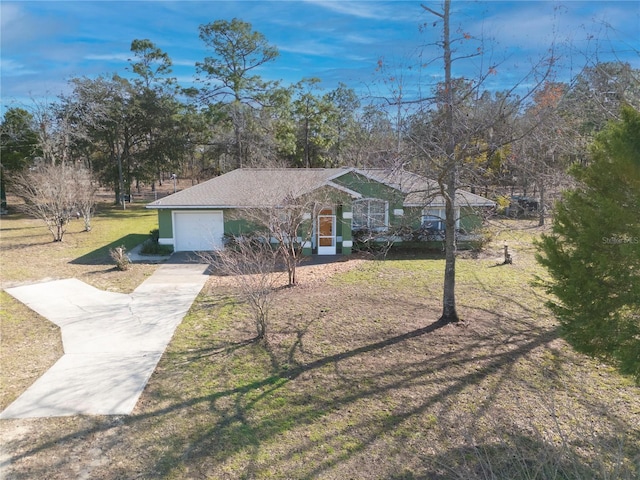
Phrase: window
[370,214]
[434,219]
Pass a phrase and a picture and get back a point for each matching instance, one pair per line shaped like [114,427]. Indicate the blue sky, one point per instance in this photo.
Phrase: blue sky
[44,43]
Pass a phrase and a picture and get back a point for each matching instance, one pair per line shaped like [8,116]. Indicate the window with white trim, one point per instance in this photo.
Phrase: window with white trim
[370,214]
[434,219]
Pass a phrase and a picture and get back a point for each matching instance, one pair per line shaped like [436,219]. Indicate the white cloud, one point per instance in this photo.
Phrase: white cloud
[9,13]
[538,26]
[530,26]
[318,49]
[110,57]
[20,27]
[360,39]
[184,63]
[368,10]
[11,68]
[358,58]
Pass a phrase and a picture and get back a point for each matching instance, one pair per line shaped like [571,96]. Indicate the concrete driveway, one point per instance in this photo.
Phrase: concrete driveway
[112,341]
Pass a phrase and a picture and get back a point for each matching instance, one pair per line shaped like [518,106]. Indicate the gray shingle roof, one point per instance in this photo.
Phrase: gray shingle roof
[250,187]
[261,187]
[421,191]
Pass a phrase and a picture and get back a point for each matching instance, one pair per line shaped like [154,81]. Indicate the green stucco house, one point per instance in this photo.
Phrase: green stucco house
[345,203]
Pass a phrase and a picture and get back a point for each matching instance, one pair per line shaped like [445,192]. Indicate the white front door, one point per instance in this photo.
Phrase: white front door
[326,229]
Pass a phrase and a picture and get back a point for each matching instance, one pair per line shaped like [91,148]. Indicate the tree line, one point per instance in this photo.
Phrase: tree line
[138,131]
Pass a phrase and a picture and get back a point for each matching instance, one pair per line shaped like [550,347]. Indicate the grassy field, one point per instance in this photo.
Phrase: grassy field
[355,382]
[28,254]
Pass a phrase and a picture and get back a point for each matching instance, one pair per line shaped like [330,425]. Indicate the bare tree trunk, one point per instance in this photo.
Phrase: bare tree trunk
[121,184]
[292,260]
[237,131]
[252,264]
[449,313]
[541,204]
[238,146]
[307,154]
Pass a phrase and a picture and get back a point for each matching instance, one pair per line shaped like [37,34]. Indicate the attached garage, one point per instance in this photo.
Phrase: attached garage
[197,230]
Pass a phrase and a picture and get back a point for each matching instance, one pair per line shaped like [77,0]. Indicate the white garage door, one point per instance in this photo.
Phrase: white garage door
[197,231]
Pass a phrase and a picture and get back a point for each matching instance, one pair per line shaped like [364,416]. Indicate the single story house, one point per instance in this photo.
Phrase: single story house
[354,200]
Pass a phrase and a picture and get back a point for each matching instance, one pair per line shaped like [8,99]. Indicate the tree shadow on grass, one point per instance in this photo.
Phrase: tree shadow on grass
[21,228]
[239,402]
[241,419]
[516,455]
[221,348]
[15,214]
[20,246]
[101,256]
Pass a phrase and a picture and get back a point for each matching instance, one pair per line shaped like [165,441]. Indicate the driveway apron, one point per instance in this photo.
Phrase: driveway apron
[112,341]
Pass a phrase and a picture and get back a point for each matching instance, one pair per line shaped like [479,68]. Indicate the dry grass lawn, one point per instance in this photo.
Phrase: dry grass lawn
[354,383]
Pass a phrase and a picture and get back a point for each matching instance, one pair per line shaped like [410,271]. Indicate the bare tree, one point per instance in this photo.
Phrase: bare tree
[55,194]
[543,151]
[456,130]
[252,264]
[85,195]
[289,225]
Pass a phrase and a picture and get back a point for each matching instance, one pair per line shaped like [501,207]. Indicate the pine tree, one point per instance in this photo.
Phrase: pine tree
[593,252]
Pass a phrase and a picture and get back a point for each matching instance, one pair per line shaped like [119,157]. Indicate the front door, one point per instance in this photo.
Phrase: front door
[326,232]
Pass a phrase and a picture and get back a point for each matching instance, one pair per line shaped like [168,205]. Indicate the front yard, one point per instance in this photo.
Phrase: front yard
[354,382]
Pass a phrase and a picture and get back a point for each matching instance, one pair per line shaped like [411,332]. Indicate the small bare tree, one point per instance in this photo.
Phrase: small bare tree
[289,223]
[55,194]
[85,195]
[285,224]
[252,264]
